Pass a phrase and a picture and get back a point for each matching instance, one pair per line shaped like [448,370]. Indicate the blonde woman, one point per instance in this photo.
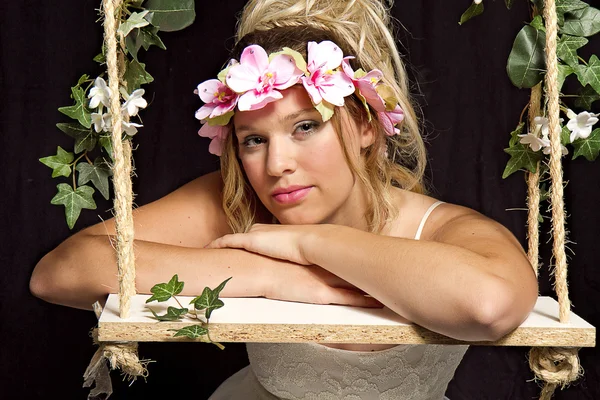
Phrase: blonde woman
[319,199]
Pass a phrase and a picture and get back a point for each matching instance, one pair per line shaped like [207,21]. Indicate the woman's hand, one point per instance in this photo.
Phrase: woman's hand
[283,242]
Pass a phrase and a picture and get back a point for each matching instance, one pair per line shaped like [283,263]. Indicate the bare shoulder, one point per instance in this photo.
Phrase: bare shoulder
[190,216]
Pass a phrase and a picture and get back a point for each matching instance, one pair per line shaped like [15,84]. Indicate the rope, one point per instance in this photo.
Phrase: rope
[557,366]
[533,189]
[122,166]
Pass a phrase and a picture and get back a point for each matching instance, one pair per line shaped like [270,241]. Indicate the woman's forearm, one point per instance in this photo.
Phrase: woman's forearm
[83,270]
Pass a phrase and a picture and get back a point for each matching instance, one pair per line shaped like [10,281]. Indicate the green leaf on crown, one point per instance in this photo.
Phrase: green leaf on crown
[471,12]
[209,299]
[563,72]
[589,148]
[135,20]
[589,74]
[582,22]
[521,157]
[171,15]
[85,138]
[221,120]
[136,75]
[192,331]
[325,109]
[526,63]
[164,291]
[74,201]
[566,48]
[587,96]
[60,163]
[79,111]
[173,314]
[97,173]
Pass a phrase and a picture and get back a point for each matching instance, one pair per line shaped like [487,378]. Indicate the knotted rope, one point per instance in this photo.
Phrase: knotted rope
[555,366]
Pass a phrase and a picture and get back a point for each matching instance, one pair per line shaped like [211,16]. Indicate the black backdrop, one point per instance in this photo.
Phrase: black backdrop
[469,107]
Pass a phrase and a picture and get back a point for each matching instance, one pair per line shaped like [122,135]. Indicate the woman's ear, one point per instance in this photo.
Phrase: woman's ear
[367,134]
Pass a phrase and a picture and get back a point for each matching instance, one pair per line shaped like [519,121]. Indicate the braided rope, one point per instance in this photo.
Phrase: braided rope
[533,189]
[122,165]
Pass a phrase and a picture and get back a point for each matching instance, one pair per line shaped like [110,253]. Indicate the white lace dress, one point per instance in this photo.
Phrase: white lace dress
[315,372]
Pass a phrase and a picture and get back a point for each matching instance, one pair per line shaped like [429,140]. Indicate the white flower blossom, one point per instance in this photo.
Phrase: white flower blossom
[102,122]
[580,124]
[547,150]
[130,128]
[99,93]
[543,123]
[133,102]
[536,143]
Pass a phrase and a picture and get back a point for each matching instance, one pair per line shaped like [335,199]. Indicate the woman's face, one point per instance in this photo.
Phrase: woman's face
[296,163]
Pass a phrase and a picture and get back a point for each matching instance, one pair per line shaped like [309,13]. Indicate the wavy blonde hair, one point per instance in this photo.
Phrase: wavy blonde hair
[361,28]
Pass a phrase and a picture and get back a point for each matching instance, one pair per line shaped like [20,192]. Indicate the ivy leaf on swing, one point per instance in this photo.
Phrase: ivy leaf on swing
[565,6]
[74,201]
[78,111]
[514,138]
[538,23]
[85,138]
[106,143]
[509,3]
[526,62]
[587,96]
[563,72]
[164,291]
[135,20]
[97,173]
[192,331]
[566,48]
[582,22]
[471,12]
[136,75]
[171,15]
[589,148]
[521,157]
[60,163]
[209,299]
[173,314]
[589,74]
[143,37]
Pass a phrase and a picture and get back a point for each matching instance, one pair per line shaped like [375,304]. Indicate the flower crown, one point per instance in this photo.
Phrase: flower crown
[257,80]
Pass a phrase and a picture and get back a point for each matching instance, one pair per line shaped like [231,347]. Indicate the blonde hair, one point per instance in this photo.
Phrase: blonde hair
[361,28]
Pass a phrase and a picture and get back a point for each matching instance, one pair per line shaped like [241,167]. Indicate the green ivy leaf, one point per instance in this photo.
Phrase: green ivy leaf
[514,138]
[60,163]
[526,63]
[209,299]
[135,20]
[565,6]
[143,37]
[565,136]
[98,174]
[192,331]
[538,23]
[583,22]
[171,15]
[79,111]
[589,74]
[74,201]
[521,157]
[509,3]
[136,75]
[100,58]
[106,143]
[589,148]
[471,12]
[587,96]
[563,72]
[221,120]
[325,109]
[567,46]
[164,291]
[85,138]
[173,314]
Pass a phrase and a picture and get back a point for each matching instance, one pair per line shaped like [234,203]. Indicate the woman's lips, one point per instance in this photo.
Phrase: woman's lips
[293,196]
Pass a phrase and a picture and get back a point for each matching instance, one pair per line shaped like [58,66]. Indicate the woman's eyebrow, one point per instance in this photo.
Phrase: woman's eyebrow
[287,118]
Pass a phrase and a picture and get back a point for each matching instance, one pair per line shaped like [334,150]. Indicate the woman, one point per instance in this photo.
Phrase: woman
[320,204]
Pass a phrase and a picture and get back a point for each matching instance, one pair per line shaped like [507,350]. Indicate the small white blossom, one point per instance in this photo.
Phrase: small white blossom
[536,143]
[565,151]
[133,102]
[99,93]
[580,124]
[130,128]
[102,122]
[543,123]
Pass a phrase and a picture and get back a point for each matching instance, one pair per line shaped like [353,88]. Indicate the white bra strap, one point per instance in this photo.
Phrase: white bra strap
[424,219]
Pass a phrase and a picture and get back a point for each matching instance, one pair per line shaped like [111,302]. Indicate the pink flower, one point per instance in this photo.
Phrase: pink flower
[260,80]
[390,118]
[218,97]
[366,85]
[218,134]
[324,82]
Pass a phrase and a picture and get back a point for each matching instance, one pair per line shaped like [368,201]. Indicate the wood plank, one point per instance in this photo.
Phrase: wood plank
[265,320]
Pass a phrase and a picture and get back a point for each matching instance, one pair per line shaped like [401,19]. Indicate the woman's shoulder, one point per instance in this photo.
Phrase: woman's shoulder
[418,210]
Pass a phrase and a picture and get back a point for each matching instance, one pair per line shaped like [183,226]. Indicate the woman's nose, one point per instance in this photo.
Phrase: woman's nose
[281,159]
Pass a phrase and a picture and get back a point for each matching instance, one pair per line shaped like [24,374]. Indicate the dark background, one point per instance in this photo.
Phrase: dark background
[469,107]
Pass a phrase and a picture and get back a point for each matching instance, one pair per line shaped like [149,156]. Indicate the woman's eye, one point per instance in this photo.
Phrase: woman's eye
[306,128]
[252,141]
